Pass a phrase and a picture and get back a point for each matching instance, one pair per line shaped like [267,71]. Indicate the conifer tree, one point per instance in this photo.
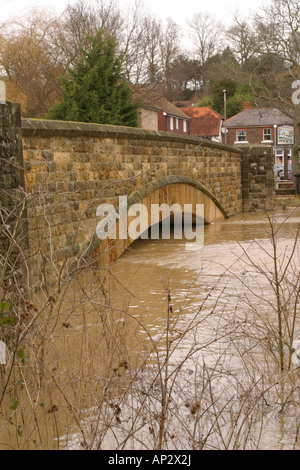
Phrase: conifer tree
[95,90]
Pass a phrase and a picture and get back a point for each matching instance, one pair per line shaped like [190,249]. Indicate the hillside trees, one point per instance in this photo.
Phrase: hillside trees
[37,50]
[267,47]
[260,55]
[266,52]
[278,27]
[186,76]
[223,72]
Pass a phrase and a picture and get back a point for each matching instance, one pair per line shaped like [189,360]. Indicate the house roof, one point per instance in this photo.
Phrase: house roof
[205,121]
[259,117]
[151,99]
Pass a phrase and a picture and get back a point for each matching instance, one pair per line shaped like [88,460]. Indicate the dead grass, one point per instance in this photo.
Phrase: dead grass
[287,201]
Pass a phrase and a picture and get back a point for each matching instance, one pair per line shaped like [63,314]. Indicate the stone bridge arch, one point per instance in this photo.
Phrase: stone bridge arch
[170,190]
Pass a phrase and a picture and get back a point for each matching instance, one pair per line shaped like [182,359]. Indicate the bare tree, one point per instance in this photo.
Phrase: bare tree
[151,41]
[243,40]
[279,31]
[83,20]
[169,50]
[206,35]
[130,44]
[31,61]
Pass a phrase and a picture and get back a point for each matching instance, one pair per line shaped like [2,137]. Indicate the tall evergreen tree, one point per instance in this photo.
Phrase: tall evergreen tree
[96,90]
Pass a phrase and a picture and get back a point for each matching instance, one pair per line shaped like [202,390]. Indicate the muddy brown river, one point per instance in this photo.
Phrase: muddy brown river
[208,317]
[179,348]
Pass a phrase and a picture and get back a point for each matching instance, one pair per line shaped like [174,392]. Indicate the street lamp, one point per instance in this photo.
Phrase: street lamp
[225,117]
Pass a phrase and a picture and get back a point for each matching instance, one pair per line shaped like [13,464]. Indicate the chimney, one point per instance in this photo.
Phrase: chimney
[247,105]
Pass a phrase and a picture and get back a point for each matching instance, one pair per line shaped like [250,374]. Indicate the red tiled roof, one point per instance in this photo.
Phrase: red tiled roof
[205,121]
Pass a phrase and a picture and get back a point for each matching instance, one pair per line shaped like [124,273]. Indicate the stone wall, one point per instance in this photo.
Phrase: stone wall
[12,210]
[258,179]
[10,153]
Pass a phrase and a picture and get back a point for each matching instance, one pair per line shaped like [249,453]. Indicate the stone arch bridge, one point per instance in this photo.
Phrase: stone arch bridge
[71,168]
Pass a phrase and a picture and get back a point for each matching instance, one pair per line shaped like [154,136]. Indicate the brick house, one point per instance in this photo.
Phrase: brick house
[258,126]
[205,122]
[157,113]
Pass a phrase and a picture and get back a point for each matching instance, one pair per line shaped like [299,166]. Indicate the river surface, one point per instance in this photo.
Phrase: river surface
[226,263]
[177,348]
[215,307]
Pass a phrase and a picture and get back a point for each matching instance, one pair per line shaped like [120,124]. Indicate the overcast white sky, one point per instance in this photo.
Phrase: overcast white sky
[179,10]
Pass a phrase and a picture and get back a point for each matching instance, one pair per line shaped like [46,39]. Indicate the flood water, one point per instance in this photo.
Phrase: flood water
[220,280]
[219,301]
[149,268]
[178,349]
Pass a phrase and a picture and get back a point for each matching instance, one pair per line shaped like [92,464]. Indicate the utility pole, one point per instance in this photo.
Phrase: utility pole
[225,116]
[285,164]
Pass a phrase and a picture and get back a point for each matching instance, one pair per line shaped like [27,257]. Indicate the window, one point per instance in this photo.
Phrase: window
[171,123]
[279,155]
[241,135]
[184,125]
[267,134]
[177,123]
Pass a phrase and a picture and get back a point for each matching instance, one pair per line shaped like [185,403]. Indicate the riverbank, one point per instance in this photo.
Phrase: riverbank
[287,201]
